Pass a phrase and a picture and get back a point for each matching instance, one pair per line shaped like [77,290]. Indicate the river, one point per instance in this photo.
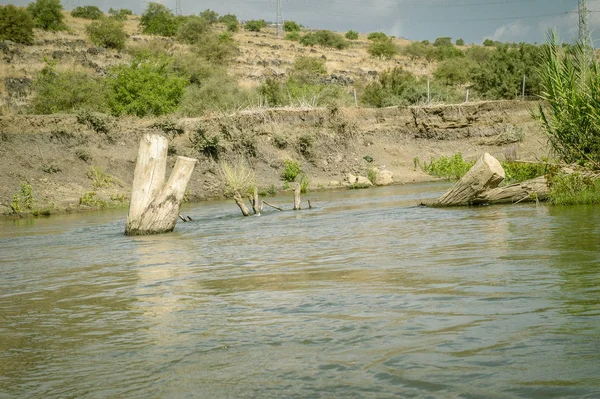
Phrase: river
[363,296]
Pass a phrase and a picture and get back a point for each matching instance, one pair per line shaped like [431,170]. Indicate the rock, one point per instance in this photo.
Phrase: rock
[334,183]
[384,178]
[4,210]
[363,181]
[351,178]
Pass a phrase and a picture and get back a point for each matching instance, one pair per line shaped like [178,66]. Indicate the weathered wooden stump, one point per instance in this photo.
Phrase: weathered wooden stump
[154,206]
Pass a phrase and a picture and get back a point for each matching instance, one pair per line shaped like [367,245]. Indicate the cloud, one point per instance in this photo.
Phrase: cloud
[514,32]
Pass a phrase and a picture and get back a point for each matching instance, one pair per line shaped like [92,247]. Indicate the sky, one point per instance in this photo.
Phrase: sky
[471,20]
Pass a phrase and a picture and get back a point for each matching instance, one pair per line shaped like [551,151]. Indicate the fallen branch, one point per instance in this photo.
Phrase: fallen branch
[272,206]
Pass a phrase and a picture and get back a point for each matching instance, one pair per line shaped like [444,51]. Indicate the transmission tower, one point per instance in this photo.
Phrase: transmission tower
[583,26]
[178,7]
[279,19]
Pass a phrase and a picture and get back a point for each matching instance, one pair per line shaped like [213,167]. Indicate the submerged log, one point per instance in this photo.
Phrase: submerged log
[257,205]
[487,173]
[154,206]
[272,206]
[237,197]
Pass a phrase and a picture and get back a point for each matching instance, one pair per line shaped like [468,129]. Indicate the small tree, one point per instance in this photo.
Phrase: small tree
[217,48]
[308,69]
[231,22]
[120,14]
[325,38]
[460,42]
[453,71]
[108,32]
[255,25]
[443,42]
[291,26]
[210,16]
[377,36]
[47,14]
[383,48]
[193,30]
[352,35]
[87,12]
[158,20]
[16,25]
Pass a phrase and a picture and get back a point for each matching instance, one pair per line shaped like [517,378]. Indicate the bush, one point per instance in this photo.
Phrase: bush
[325,38]
[377,36]
[159,20]
[208,145]
[193,30]
[291,26]
[574,189]
[442,42]
[352,35]
[16,25]
[454,71]
[489,43]
[107,32]
[255,25]
[516,172]
[231,22]
[383,48]
[293,36]
[451,168]
[67,92]
[209,16]
[47,14]
[307,69]
[87,12]
[290,171]
[120,14]
[145,88]
[217,48]
[570,79]
[460,42]
[416,50]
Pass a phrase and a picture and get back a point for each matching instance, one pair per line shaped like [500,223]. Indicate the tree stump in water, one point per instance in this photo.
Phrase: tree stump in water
[154,206]
[486,174]
[297,191]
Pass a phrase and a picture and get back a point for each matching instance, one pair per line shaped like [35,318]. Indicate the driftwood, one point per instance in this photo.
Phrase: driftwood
[272,206]
[237,197]
[297,190]
[257,205]
[154,205]
[481,186]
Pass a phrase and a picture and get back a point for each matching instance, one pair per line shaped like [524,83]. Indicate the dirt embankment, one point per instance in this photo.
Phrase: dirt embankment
[64,160]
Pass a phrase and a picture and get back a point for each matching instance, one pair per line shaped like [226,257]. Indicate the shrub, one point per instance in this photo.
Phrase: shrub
[193,30]
[159,20]
[571,89]
[293,36]
[291,26]
[454,71]
[383,48]
[217,48]
[107,32]
[67,91]
[209,16]
[255,25]
[98,122]
[304,182]
[489,43]
[290,171]
[16,25]
[210,146]
[452,168]
[442,42]
[308,69]
[120,14]
[47,14]
[238,176]
[516,172]
[460,42]
[351,35]
[377,36]
[574,189]
[231,22]
[305,144]
[145,88]
[325,38]
[87,12]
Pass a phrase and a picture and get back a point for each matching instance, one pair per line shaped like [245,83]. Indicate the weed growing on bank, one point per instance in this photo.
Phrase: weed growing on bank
[290,171]
[574,189]
[451,168]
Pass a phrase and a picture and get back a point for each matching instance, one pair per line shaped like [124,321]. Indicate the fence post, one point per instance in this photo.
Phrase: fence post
[523,90]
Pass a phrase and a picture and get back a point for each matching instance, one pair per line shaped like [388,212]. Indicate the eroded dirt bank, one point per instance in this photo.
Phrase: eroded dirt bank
[64,159]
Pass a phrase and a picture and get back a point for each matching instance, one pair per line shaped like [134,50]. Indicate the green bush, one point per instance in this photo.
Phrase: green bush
[416,50]
[208,145]
[120,14]
[87,12]
[193,30]
[351,35]
[442,42]
[451,168]
[293,36]
[47,14]
[231,22]
[570,80]
[516,172]
[291,26]
[490,43]
[255,25]
[209,16]
[574,189]
[383,48]
[108,32]
[307,69]
[146,87]
[377,36]
[67,92]
[217,48]
[16,25]
[159,20]
[290,171]
[325,38]
[454,71]
[460,42]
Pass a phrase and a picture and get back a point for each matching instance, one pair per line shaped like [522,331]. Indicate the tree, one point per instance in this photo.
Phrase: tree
[231,22]
[383,48]
[443,42]
[308,69]
[325,38]
[255,25]
[120,14]
[16,24]
[453,71]
[210,16]
[47,14]
[87,12]
[460,42]
[158,20]
[352,35]
[291,26]
[193,30]
[376,36]
[108,32]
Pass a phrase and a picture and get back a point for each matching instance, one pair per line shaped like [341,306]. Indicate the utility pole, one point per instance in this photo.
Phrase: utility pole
[279,19]
[178,7]
[583,26]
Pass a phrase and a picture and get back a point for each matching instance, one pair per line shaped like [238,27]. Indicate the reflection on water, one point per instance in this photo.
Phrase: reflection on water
[364,296]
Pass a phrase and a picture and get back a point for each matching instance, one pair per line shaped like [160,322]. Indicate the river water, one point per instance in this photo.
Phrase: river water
[363,296]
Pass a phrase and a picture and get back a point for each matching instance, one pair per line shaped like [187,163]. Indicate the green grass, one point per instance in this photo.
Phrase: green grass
[451,168]
[516,172]
[574,189]
[291,170]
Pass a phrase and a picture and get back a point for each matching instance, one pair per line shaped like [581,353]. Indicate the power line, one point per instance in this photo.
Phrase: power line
[178,7]
[279,19]
[583,27]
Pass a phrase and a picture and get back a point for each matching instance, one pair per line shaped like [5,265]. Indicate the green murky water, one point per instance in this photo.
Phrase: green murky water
[365,296]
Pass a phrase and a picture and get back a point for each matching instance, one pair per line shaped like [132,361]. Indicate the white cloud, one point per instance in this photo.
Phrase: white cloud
[514,32]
